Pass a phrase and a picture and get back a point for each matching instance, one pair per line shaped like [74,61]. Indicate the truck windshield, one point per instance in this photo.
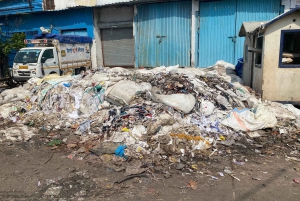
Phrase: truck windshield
[27,56]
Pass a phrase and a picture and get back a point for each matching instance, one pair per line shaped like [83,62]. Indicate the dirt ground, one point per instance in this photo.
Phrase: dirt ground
[30,170]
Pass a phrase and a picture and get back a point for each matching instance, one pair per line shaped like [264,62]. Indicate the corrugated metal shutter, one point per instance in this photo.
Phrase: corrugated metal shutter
[164,34]
[254,10]
[220,20]
[217,25]
[118,47]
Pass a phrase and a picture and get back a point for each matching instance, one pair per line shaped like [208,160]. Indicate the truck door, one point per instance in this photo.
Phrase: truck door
[49,62]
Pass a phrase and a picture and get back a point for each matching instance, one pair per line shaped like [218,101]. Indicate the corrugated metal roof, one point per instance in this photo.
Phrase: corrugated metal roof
[116,2]
[20,6]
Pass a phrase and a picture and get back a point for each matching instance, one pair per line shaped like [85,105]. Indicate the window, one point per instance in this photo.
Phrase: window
[258,53]
[49,5]
[289,55]
[48,54]
[27,56]
[78,32]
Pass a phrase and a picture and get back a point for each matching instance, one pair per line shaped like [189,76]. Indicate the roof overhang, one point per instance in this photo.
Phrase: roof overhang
[249,27]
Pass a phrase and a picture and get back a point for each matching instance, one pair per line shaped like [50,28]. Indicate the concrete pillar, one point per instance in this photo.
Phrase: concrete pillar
[194,32]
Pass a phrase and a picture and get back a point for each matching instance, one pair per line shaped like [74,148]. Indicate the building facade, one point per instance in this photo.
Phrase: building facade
[28,16]
[145,33]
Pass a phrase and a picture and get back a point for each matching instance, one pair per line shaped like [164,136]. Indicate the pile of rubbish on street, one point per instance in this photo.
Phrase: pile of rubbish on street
[139,113]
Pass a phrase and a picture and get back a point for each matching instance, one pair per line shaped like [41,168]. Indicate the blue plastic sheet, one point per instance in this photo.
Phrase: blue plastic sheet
[239,67]
[120,151]
[70,39]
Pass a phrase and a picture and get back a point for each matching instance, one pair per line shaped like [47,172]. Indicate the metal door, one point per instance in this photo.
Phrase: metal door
[254,10]
[216,32]
[163,34]
[118,47]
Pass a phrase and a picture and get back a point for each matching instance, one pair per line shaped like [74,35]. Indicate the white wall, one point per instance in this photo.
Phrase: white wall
[61,5]
[279,84]
[290,4]
[108,2]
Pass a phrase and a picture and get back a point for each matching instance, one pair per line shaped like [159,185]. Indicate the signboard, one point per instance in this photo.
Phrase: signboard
[75,52]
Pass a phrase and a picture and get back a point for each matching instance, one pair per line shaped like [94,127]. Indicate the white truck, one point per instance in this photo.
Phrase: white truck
[50,56]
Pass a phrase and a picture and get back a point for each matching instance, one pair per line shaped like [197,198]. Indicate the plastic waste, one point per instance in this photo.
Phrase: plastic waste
[181,102]
[12,95]
[247,120]
[120,151]
[207,108]
[85,127]
[124,91]
[239,67]
[67,84]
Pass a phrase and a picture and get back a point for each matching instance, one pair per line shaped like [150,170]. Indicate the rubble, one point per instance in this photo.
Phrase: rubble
[164,112]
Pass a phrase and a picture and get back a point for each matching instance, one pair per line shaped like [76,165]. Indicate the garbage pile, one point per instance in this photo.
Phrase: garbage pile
[165,111]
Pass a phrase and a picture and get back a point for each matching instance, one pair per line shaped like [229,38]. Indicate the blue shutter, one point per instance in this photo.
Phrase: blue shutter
[217,25]
[164,34]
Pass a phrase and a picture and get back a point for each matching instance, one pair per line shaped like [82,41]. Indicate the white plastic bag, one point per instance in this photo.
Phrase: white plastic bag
[15,94]
[292,109]
[181,102]
[246,120]
[124,91]
[207,108]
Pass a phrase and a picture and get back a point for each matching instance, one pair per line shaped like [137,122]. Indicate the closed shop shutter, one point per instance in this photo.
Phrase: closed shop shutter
[118,47]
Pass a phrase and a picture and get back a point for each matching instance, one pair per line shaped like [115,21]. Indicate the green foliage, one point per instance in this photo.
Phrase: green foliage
[16,42]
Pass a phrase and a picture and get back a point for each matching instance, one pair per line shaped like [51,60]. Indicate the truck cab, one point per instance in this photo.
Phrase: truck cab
[35,62]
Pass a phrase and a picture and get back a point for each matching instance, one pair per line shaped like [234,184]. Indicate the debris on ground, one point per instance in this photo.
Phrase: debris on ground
[166,115]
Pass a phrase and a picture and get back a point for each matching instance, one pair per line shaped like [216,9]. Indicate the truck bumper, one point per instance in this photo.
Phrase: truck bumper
[22,75]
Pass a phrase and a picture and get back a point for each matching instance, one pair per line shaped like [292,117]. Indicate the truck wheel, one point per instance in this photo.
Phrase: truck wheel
[82,69]
[11,83]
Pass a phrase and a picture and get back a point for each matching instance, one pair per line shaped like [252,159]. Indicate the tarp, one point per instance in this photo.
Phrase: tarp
[71,39]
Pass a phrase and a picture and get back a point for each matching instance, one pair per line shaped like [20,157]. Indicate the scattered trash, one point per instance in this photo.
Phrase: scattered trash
[238,162]
[105,148]
[296,181]
[214,178]
[192,184]
[53,191]
[247,120]
[55,143]
[120,151]
[258,179]
[164,114]
[253,134]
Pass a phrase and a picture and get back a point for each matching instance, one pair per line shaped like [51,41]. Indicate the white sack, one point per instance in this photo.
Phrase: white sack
[124,91]
[292,109]
[15,94]
[246,120]
[181,102]
[5,110]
